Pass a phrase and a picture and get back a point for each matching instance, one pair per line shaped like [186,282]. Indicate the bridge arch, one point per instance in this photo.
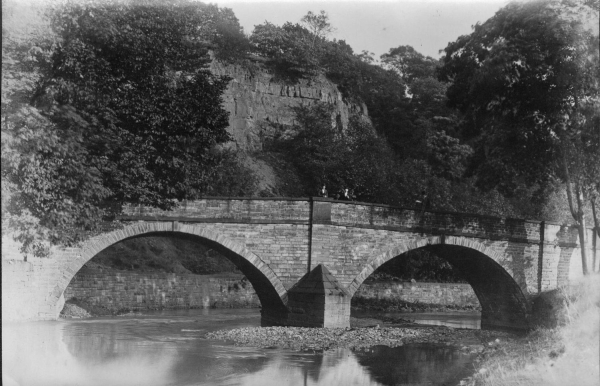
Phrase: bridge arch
[268,287]
[502,300]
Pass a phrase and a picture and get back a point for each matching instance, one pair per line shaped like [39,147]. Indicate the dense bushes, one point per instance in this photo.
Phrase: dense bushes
[323,153]
[111,103]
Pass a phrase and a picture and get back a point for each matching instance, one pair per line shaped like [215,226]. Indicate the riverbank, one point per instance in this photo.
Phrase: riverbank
[73,311]
[565,355]
[106,291]
[77,309]
[399,305]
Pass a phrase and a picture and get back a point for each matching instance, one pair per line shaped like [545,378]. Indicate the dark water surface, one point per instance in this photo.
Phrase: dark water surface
[460,319]
[168,348]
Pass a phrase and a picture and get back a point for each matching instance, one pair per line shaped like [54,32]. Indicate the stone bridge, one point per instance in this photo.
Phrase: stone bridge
[307,257]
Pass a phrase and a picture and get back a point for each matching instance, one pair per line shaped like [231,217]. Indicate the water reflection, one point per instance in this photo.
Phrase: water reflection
[339,367]
[416,365]
[38,354]
[470,320]
[168,349]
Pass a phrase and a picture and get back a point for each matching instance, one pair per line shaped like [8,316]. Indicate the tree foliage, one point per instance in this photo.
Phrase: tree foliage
[116,106]
[221,28]
[292,50]
[156,111]
[360,159]
[355,158]
[318,25]
[409,63]
[39,201]
[527,82]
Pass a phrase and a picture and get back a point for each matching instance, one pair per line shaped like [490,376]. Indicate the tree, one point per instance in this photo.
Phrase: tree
[409,63]
[323,153]
[370,162]
[447,156]
[293,50]
[318,25]
[527,82]
[289,49]
[122,110]
[315,148]
[222,29]
[45,191]
[367,56]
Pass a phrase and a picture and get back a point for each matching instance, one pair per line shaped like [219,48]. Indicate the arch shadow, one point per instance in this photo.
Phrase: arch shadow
[269,289]
[503,304]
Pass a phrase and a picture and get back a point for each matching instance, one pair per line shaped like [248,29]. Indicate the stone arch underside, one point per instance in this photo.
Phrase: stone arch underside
[502,301]
[269,289]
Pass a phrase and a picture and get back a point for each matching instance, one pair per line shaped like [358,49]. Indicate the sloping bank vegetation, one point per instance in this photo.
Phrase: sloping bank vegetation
[565,355]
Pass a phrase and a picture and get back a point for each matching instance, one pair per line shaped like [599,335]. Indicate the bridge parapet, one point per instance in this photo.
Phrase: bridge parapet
[456,224]
[228,209]
[354,214]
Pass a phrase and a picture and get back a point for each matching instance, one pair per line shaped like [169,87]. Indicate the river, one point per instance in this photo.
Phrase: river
[168,348]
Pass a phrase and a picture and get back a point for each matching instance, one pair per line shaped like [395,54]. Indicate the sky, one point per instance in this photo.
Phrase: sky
[377,26]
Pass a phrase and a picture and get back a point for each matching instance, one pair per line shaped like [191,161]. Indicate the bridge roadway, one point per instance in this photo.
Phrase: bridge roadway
[307,257]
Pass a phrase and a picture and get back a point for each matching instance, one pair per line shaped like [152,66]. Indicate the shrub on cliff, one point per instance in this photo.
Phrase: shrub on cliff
[290,50]
[223,31]
[324,153]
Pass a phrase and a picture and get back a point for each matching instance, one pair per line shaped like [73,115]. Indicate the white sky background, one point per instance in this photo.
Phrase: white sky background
[377,26]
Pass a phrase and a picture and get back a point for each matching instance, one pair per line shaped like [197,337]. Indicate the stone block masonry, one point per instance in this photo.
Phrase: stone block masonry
[126,290]
[446,294]
[317,300]
[274,242]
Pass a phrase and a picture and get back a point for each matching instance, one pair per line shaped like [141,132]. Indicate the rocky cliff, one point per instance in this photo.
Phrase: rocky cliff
[255,96]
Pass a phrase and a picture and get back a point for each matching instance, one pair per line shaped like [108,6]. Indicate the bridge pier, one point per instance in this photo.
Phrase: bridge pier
[317,300]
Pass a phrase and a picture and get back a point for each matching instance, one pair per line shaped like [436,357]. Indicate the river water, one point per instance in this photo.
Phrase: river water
[469,320]
[168,348]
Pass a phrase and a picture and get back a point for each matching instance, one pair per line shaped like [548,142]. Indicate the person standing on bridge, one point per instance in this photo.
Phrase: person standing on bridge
[345,195]
[323,192]
[423,202]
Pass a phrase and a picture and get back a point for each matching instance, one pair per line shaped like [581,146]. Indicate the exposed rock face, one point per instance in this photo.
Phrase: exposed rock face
[254,96]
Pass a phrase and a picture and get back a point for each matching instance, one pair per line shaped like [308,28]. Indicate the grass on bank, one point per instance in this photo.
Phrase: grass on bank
[562,356]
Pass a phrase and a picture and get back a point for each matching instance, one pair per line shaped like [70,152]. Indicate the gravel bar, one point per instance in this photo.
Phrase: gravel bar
[304,339]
